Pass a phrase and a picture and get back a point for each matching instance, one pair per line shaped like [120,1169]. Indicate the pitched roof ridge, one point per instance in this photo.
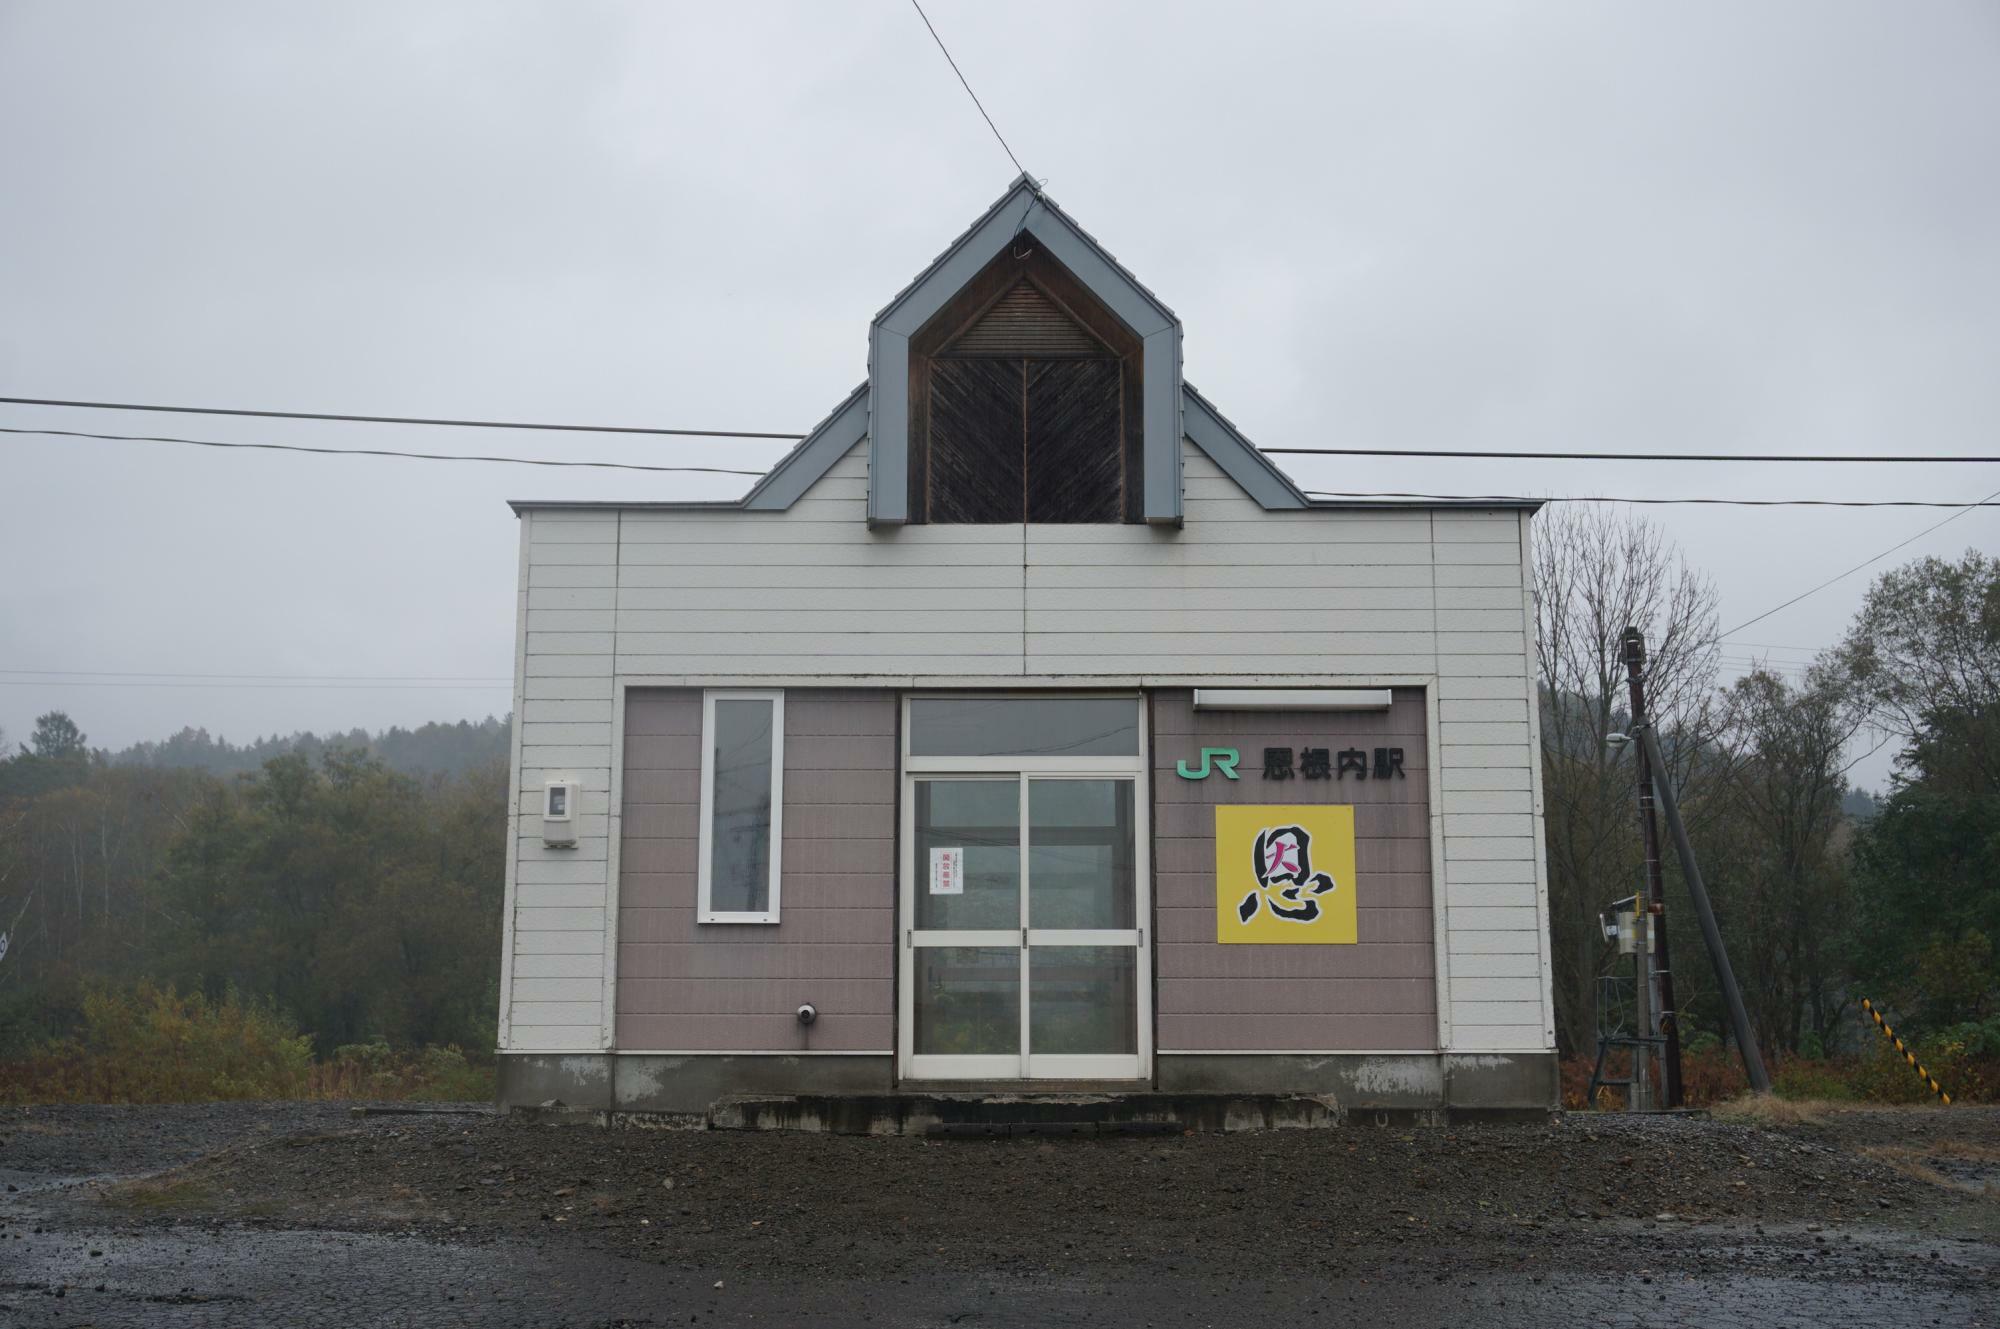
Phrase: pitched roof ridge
[1042,200]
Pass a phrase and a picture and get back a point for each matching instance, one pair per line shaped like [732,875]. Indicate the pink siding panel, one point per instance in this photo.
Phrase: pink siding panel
[1377,994]
[1285,1032]
[687,986]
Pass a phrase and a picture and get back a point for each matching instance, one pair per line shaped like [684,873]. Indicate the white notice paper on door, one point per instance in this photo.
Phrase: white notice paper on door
[947,872]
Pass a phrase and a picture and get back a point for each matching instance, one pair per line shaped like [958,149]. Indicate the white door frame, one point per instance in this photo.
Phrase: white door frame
[1026,1065]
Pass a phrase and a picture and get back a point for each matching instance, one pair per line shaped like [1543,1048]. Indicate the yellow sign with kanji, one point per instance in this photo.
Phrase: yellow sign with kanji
[1285,874]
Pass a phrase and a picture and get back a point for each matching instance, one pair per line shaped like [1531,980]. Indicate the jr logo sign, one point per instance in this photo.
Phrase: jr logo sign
[1285,874]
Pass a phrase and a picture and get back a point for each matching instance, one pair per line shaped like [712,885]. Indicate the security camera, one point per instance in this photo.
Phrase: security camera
[808,1013]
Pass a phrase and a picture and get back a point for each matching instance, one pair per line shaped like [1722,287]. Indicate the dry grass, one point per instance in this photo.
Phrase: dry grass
[165,1192]
[1771,1110]
[1977,1164]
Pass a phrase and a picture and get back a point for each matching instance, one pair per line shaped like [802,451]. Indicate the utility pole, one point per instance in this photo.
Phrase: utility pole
[1653,900]
[1704,912]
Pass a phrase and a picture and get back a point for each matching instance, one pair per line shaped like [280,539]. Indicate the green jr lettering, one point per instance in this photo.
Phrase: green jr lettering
[1223,759]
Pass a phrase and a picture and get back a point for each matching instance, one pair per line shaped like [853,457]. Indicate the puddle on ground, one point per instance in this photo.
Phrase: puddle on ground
[221,1277]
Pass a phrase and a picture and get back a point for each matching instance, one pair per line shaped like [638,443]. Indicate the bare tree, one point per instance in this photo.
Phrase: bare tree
[1597,574]
[1925,648]
[1785,881]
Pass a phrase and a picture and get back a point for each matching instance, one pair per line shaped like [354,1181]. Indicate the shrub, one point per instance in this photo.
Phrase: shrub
[1804,1078]
[155,1045]
[376,1070]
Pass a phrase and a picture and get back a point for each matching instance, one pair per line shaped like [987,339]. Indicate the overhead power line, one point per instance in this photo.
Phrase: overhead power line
[281,687]
[379,452]
[1724,502]
[1503,455]
[1621,456]
[219,677]
[968,88]
[395,419]
[1864,563]
[725,470]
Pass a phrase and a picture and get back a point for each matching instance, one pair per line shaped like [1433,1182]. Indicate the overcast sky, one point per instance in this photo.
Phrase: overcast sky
[1770,227]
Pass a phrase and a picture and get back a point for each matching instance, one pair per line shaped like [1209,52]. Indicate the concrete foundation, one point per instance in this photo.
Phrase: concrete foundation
[639,1082]
[1462,1082]
[1198,1092]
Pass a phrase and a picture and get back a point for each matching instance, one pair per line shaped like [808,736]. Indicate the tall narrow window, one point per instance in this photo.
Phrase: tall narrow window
[742,806]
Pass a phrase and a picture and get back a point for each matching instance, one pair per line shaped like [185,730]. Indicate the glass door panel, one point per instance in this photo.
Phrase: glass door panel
[968,855]
[1080,854]
[1083,1000]
[968,1001]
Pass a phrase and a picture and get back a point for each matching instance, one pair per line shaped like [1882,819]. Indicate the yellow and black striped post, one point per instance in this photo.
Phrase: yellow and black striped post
[1908,1055]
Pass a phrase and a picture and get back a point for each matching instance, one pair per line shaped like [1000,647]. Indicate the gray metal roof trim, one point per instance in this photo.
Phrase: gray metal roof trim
[804,446]
[1249,451]
[1027,182]
[521,505]
[1426,504]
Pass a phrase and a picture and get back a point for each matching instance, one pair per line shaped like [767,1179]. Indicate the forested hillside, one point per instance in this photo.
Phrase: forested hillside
[348,898]
[431,749]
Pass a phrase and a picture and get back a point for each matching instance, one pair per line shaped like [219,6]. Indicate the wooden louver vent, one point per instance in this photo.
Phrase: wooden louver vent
[1024,321]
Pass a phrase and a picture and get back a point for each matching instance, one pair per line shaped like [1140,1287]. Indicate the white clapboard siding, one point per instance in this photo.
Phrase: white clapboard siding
[1497,1015]
[738,605]
[1504,599]
[1488,894]
[572,597]
[1465,687]
[587,848]
[1237,591]
[596,576]
[1482,989]
[558,989]
[1472,574]
[544,895]
[1353,625]
[1486,801]
[1258,576]
[1484,710]
[1469,870]
[1455,777]
[552,711]
[590,965]
[552,1038]
[1468,962]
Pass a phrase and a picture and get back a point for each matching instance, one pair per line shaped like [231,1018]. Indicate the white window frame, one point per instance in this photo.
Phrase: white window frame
[704,913]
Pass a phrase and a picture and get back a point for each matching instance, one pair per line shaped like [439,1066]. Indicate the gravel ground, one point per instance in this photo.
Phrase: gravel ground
[305,1214]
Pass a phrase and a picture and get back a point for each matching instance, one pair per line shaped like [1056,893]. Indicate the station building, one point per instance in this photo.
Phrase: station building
[1026,729]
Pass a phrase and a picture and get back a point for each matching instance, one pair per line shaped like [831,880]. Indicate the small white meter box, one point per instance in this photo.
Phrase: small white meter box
[559,813]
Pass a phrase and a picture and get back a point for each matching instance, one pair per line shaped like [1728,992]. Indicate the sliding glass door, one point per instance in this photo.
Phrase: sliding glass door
[1024,900]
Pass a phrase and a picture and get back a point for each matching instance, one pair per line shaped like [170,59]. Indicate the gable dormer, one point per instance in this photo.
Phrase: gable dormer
[1025,402]
[1024,376]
